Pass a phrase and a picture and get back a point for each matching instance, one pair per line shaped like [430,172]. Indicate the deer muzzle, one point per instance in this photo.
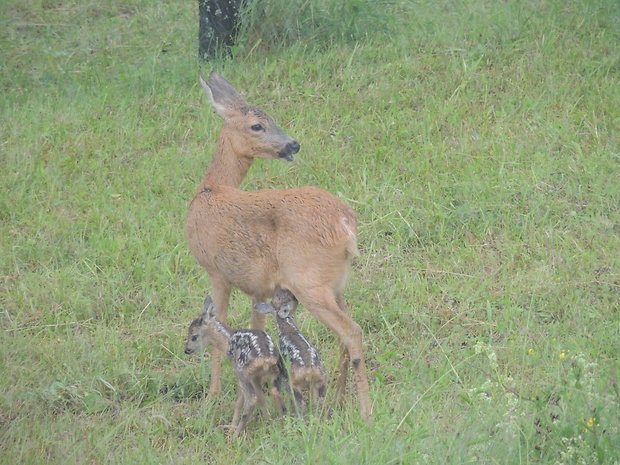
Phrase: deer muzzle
[289,150]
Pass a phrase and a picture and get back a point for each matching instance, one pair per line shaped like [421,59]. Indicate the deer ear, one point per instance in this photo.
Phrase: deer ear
[223,96]
[263,308]
[208,309]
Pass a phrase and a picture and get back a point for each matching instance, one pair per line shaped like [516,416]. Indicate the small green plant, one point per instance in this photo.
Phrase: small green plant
[570,421]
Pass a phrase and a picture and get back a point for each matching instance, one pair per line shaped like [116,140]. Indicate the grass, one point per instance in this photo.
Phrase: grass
[477,142]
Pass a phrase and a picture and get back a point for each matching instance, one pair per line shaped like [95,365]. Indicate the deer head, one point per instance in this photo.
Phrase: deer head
[198,337]
[252,132]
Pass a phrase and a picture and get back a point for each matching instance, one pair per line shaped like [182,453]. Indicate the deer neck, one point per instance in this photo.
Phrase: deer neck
[228,168]
[286,325]
[220,334]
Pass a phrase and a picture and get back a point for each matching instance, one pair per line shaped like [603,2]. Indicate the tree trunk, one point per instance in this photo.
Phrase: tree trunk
[218,26]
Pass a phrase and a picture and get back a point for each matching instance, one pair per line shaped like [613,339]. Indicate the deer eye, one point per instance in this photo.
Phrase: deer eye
[257,127]
[194,337]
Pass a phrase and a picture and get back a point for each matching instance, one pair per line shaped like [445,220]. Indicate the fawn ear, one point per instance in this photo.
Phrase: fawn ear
[263,308]
[208,309]
[223,96]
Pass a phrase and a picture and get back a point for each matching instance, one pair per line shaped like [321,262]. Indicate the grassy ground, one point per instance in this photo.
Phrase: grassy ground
[478,143]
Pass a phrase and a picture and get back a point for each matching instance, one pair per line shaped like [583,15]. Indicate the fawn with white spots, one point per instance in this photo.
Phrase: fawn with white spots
[302,239]
[307,372]
[253,354]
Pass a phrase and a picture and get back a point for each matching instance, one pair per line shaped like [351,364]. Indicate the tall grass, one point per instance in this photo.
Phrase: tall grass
[273,24]
[478,144]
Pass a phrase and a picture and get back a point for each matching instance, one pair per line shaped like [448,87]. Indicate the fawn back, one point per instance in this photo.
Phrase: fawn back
[247,349]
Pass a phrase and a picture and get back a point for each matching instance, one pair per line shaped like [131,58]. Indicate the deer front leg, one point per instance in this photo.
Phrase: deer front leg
[250,398]
[221,294]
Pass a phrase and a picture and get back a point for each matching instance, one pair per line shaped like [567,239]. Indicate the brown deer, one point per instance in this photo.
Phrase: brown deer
[301,239]
[253,354]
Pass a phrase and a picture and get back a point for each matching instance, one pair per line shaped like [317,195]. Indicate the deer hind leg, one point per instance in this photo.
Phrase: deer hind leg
[321,390]
[299,401]
[259,388]
[238,405]
[277,397]
[276,391]
[250,398]
[343,364]
[341,383]
[323,304]
[221,294]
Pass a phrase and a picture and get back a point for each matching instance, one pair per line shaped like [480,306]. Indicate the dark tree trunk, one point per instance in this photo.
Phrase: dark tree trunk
[218,26]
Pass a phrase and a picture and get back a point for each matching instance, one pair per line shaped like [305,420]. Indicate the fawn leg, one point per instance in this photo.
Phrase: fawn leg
[281,383]
[260,395]
[277,397]
[320,395]
[249,401]
[299,402]
[238,404]
[276,392]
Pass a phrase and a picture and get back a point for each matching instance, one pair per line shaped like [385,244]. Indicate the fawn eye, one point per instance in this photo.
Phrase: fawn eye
[257,127]
[194,337]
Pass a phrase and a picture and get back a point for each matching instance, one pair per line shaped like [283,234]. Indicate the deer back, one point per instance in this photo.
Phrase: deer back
[247,345]
[257,240]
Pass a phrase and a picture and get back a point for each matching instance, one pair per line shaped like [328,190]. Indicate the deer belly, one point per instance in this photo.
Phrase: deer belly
[250,274]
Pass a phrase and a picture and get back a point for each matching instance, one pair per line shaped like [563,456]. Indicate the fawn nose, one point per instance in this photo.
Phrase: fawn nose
[293,147]
[188,351]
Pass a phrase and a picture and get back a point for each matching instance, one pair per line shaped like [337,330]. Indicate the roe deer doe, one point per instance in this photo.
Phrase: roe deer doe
[307,372]
[301,239]
[251,351]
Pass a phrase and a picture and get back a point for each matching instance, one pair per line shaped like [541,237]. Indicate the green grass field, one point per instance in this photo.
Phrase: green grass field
[477,142]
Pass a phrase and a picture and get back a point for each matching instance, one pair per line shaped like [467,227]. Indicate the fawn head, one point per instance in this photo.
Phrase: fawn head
[253,133]
[198,335]
[283,304]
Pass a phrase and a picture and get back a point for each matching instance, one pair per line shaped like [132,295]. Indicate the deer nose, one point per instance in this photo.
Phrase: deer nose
[293,147]
[188,351]
[288,151]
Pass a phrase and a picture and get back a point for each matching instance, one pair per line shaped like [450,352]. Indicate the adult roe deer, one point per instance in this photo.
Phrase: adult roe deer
[301,239]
